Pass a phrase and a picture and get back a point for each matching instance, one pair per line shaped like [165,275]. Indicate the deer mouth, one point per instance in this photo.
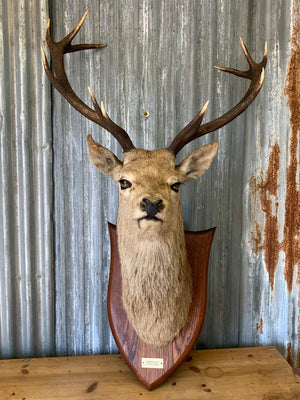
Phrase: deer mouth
[149,218]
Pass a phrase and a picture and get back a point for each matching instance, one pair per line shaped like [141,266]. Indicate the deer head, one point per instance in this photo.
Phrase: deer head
[156,276]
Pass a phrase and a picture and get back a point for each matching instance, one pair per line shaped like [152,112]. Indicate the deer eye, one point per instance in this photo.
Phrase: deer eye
[175,186]
[124,184]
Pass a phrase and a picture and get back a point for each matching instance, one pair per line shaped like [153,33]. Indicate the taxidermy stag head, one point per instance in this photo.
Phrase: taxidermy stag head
[156,275]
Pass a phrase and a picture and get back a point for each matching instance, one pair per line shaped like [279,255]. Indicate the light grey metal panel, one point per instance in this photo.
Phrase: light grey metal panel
[159,59]
[84,201]
[26,231]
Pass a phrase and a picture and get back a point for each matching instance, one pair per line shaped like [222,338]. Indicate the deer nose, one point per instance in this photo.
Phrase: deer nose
[150,207]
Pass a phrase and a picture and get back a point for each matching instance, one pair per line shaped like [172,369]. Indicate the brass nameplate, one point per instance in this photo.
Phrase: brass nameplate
[153,363]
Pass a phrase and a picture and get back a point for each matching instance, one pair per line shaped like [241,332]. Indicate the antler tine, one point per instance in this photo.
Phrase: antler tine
[193,130]
[67,40]
[186,132]
[60,81]
[108,124]
[252,64]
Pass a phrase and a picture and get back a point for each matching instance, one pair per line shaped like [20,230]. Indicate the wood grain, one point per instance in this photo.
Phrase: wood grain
[132,348]
[258,373]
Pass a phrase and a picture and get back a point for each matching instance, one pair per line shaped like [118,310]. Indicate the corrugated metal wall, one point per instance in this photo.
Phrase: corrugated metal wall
[54,244]
[27,286]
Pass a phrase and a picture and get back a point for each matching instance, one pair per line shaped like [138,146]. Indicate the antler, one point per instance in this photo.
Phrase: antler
[193,130]
[60,81]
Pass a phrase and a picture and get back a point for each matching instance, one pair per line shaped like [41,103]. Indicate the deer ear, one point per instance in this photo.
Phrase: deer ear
[198,161]
[102,158]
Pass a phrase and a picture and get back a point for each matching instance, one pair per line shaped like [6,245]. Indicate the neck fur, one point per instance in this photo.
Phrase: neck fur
[156,283]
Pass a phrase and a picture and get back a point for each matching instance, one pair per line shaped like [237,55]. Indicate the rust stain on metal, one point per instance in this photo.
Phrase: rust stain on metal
[267,188]
[260,325]
[291,241]
[256,238]
[269,202]
[289,357]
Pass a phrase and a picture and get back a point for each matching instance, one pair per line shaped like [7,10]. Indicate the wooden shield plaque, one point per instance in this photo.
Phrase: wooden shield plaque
[152,366]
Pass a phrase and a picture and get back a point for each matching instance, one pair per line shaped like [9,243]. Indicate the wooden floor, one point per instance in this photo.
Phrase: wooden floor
[242,374]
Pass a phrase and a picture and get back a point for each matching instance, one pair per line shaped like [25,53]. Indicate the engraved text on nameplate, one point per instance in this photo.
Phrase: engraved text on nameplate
[153,363]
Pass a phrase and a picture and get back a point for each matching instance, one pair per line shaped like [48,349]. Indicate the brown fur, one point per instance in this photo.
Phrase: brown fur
[156,276]
[157,286]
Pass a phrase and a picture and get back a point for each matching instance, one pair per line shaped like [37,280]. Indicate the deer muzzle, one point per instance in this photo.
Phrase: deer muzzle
[151,208]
